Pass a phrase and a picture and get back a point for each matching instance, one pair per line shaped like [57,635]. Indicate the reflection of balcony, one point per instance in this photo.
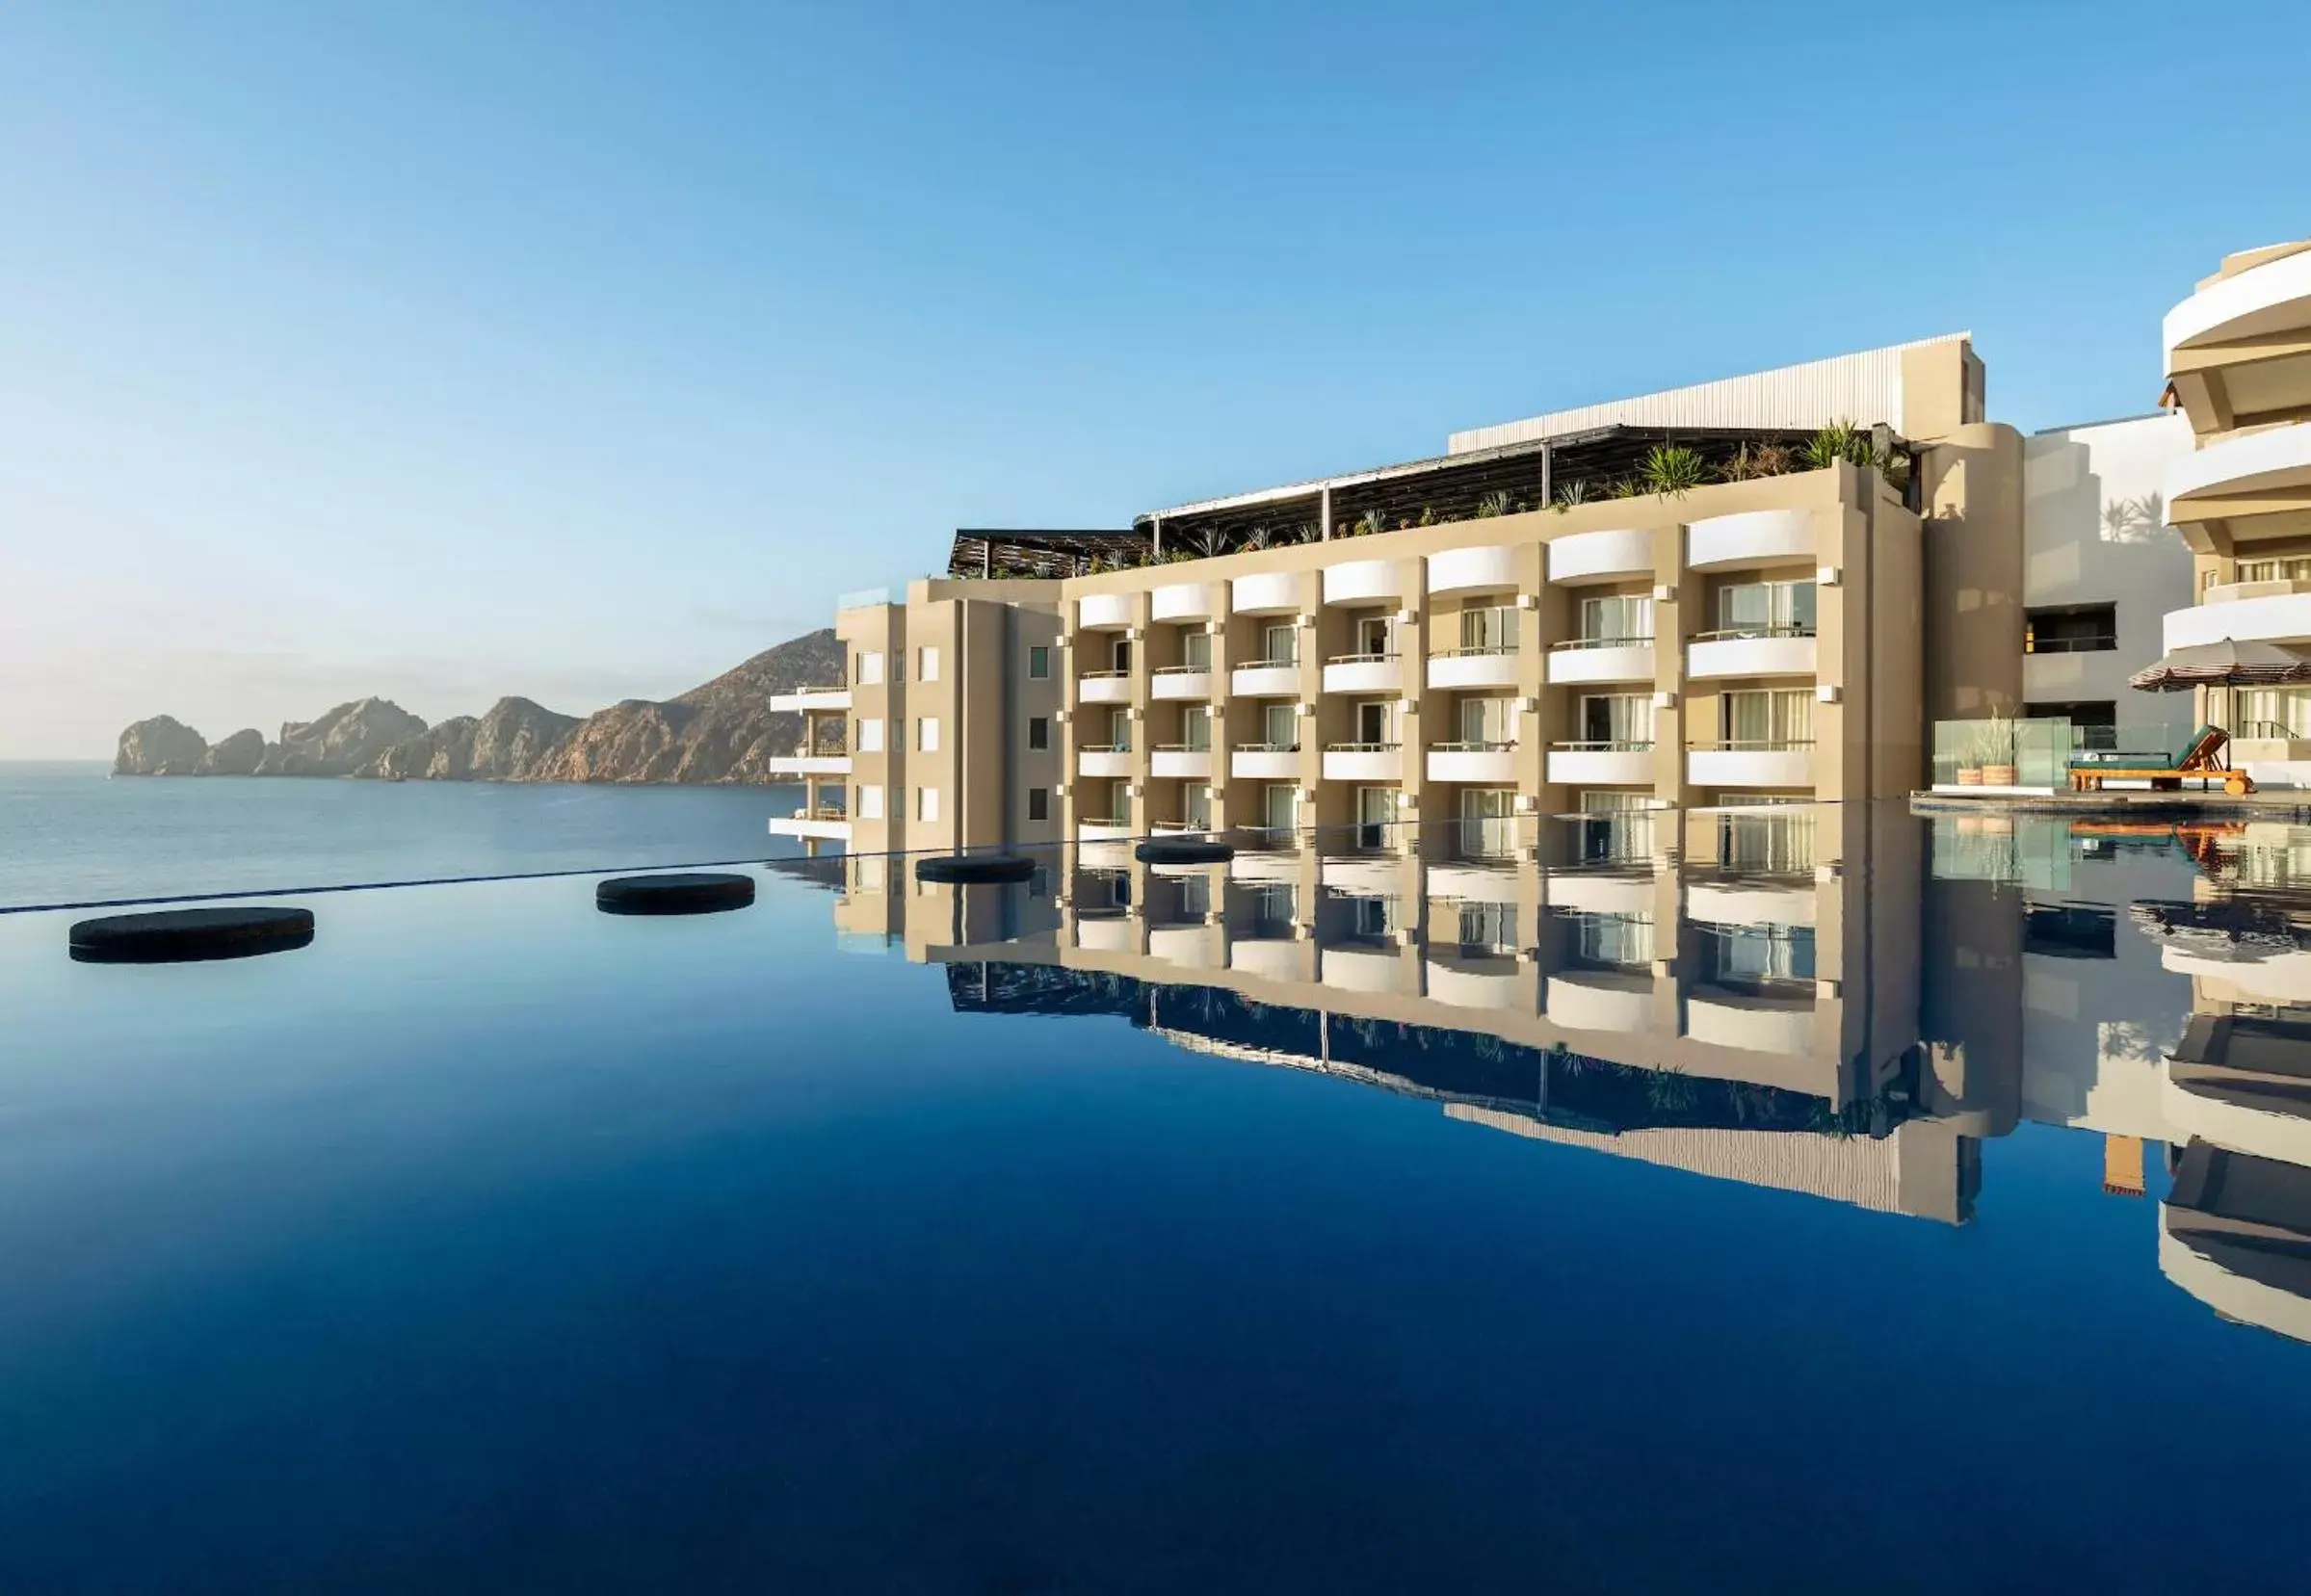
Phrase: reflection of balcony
[2235,1233]
[1625,892]
[1602,660]
[1363,761]
[1756,536]
[1610,555]
[1490,666]
[1277,958]
[1104,686]
[1760,764]
[1103,760]
[1486,764]
[1478,981]
[1265,761]
[1490,567]
[1752,651]
[1361,582]
[1197,947]
[815,764]
[1363,673]
[1737,899]
[1186,601]
[1361,969]
[1754,1022]
[1182,680]
[1265,679]
[1177,760]
[1601,1000]
[1601,764]
[1107,933]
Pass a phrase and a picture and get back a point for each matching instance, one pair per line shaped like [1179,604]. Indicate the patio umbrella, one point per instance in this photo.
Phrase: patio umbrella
[2229,662]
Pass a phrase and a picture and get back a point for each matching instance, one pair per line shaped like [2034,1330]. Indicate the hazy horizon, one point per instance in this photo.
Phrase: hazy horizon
[443,354]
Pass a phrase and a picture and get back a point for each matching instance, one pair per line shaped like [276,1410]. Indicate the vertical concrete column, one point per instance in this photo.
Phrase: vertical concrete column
[1065,660]
[1675,960]
[1142,760]
[1224,809]
[1541,724]
[1532,929]
[1678,613]
[1412,891]
[1419,719]
[1308,711]
[1841,632]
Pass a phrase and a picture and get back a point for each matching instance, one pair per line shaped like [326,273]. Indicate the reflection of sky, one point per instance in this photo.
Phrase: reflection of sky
[493,1241]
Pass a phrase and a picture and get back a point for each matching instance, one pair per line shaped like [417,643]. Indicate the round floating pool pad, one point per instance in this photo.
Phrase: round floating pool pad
[170,936]
[688,893]
[975,870]
[1184,851]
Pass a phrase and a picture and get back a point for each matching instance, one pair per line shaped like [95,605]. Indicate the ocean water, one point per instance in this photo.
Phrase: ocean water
[70,834]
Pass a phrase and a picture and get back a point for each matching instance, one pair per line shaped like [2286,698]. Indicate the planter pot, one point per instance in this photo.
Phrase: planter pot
[1970,775]
[1998,775]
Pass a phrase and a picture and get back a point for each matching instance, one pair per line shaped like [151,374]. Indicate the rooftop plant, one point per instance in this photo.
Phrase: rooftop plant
[1574,492]
[1672,470]
[1496,503]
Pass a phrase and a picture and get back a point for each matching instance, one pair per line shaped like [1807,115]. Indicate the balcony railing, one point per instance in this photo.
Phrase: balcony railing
[1751,744]
[1165,670]
[1472,747]
[1362,659]
[1182,747]
[1645,642]
[1475,651]
[1267,747]
[1606,744]
[1194,827]
[2101,642]
[823,812]
[1361,748]
[1102,675]
[1734,633]
[1103,748]
[1113,822]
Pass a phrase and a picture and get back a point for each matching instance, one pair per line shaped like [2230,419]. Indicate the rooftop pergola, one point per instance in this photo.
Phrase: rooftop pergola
[990,552]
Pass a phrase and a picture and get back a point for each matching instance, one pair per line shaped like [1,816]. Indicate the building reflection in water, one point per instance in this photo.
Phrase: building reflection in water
[1844,1001]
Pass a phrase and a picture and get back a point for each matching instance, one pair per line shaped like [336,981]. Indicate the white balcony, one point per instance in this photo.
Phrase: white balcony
[1489,569]
[817,764]
[1108,831]
[1366,877]
[1182,763]
[1364,673]
[1275,957]
[1267,593]
[1265,681]
[1108,934]
[1750,1023]
[1262,763]
[1363,761]
[1751,656]
[1601,765]
[2242,477]
[1601,661]
[1196,947]
[1472,884]
[1478,983]
[1103,762]
[1601,1000]
[1616,554]
[2274,297]
[1600,891]
[821,826]
[1753,537]
[1484,667]
[1263,868]
[1367,970]
[1103,611]
[1486,764]
[1362,581]
[1186,601]
[1761,900]
[1181,682]
[1760,766]
[822,698]
[1104,686]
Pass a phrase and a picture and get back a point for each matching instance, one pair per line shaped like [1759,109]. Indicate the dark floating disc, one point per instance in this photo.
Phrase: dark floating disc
[1184,851]
[691,893]
[175,936]
[974,871]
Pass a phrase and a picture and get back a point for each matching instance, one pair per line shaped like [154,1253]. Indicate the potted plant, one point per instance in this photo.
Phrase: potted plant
[1998,751]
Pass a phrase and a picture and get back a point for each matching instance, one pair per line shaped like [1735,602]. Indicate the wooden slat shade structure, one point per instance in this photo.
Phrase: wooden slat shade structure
[2122,1166]
[2229,662]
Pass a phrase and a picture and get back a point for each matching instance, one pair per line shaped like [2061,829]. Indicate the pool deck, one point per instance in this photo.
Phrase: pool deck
[2132,802]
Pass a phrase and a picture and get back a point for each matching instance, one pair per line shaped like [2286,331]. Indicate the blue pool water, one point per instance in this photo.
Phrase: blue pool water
[491,1242]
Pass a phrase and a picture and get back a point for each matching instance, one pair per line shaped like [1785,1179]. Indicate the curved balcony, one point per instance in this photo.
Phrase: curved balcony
[1750,1021]
[1180,681]
[1366,970]
[1613,555]
[1473,668]
[1267,593]
[1265,761]
[1488,568]
[1472,884]
[1479,983]
[1367,878]
[1761,651]
[1104,686]
[1196,946]
[1622,892]
[2239,477]
[1486,764]
[1364,673]
[1098,760]
[809,699]
[1751,765]
[2272,618]
[1275,957]
[1265,681]
[1752,538]
[1363,761]
[1108,934]
[1602,660]
[1601,764]
[1110,829]
[1362,581]
[2187,1257]
[1103,611]
[1186,601]
[1760,901]
[2238,1111]
[816,764]
[1601,1000]
[2274,297]
[813,824]
[1181,762]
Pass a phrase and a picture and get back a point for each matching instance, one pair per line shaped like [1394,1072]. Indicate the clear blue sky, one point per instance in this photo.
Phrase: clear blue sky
[443,350]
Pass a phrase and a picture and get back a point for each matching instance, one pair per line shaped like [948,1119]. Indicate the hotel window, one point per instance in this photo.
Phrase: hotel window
[1196,806]
[1039,803]
[1372,918]
[1617,720]
[869,669]
[1766,609]
[1039,731]
[1121,655]
[1279,727]
[1487,822]
[1623,939]
[2294,568]
[1773,838]
[926,664]
[1376,813]
[1039,662]
[1488,722]
[927,803]
[1490,629]
[1776,718]
[870,804]
[1618,617]
[1272,908]
[1280,806]
[1196,729]
[1757,955]
[1372,635]
[1279,644]
[1615,826]
[1196,651]
[1372,718]
[1120,730]
[927,734]
[2274,712]
[1487,928]
[870,737]
[2070,629]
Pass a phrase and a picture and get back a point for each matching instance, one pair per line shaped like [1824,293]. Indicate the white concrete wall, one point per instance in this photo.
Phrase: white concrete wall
[2095,531]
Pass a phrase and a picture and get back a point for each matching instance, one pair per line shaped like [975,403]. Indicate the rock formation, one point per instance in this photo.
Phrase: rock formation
[722,730]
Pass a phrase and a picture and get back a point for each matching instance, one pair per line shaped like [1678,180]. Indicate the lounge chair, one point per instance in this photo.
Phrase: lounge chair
[2201,760]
